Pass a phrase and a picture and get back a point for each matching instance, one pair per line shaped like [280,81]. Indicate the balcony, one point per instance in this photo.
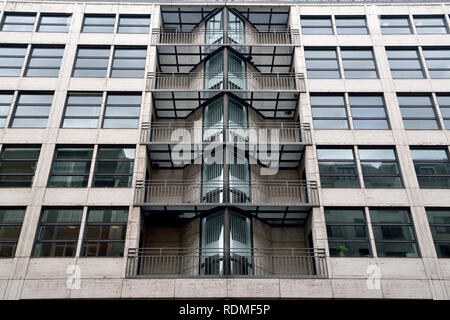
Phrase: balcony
[248,81]
[246,263]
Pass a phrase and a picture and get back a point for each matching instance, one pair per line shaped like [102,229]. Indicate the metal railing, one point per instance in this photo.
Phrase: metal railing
[237,81]
[216,37]
[195,262]
[251,133]
[264,193]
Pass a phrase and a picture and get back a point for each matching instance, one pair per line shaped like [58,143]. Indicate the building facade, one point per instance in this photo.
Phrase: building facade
[264,149]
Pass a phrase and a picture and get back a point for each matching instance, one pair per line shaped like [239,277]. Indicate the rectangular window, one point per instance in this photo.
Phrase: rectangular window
[322,64]
[380,168]
[44,61]
[337,168]
[71,167]
[432,168]
[329,112]
[128,62]
[438,62]
[50,22]
[417,112]
[58,232]
[430,24]
[114,167]
[11,220]
[32,110]
[393,232]
[99,23]
[395,25]
[18,165]
[122,111]
[91,62]
[347,233]
[105,232]
[316,25]
[358,64]
[5,104]
[11,60]
[82,110]
[405,64]
[444,105]
[15,21]
[351,25]
[439,220]
[134,23]
[368,112]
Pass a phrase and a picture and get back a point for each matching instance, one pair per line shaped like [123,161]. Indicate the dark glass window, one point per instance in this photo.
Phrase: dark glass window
[439,220]
[417,112]
[114,167]
[358,64]
[91,62]
[99,23]
[11,220]
[44,61]
[329,112]
[430,24]
[351,25]
[380,168]
[128,62]
[32,110]
[18,21]
[438,62]
[5,104]
[58,232]
[105,232]
[395,25]
[347,233]
[50,22]
[82,110]
[368,112]
[18,165]
[432,168]
[316,25]
[71,166]
[393,232]
[444,105]
[134,23]
[405,63]
[11,60]
[122,111]
[322,64]
[337,168]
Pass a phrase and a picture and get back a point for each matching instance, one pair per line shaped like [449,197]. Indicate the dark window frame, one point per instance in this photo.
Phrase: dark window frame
[430,16]
[418,59]
[431,162]
[44,15]
[114,58]
[338,62]
[77,56]
[383,106]
[317,17]
[36,160]
[142,16]
[356,17]
[322,106]
[16,106]
[432,106]
[116,93]
[30,57]
[336,160]
[356,49]
[434,225]
[395,17]
[81,93]
[14,67]
[433,69]
[98,15]
[18,13]
[97,160]
[15,224]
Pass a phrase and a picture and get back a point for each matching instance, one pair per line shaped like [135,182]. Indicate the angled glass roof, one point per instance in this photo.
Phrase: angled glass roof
[184,18]
[265,19]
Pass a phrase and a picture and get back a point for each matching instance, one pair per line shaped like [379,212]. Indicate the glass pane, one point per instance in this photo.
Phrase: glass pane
[69,181]
[344,154]
[407,250]
[344,216]
[389,216]
[339,181]
[11,216]
[377,154]
[112,181]
[437,216]
[349,249]
[346,232]
[429,154]
[116,153]
[108,215]
[59,232]
[330,124]
[62,215]
[60,249]
[383,182]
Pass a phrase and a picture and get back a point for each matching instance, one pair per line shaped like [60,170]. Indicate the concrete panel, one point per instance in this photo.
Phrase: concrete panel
[367,137]
[354,289]
[253,288]
[350,267]
[148,288]
[400,268]
[88,136]
[7,267]
[386,197]
[435,197]
[3,285]
[426,137]
[49,268]
[110,196]
[15,196]
[444,265]
[201,288]
[45,289]
[98,288]
[66,196]
[406,289]
[305,288]
[339,197]
[91,267]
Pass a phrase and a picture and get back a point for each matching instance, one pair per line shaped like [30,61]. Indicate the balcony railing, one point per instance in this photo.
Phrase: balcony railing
[194,262]
[216,37]
[264,193]
[247,81]
[251,133]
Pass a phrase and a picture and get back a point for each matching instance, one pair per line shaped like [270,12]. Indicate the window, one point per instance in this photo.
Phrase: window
[114,167]
[122,111]
[444,105]
[395,25]
[58,232]
[329,112]
[5,104]
[105,232]
[347,233]
[54,22]
[316,25]
[71,167]
[13,21]
[322,64]
[358,64]
[368,112]
[44,61]
[82,110]
[432,168]
[405,64]
[417,112]
[134,23]
[11,60]
[439,220]
[351,25]
[32,110]
[17,166]
[380,168]
[11,220]
[393,233]
[100,23]
[91,62]
[438,62]
[430,24]
[128,63]
[337,168]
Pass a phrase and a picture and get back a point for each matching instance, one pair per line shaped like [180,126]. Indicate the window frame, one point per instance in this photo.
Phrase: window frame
[98,15]
[133,58]
[336,59]
[395,17]
[430,16]
[30,57]
[396,69]
[142,16]
[15,67]
[372,106]
[15,224]
[116,93]
[433,69]
[350,17]
[36,161]
[82,93]
[428,210]
[45,14]
[16,106]
[324,106]
[77,56]
[97,160]
[317,17]
[352,69]
[18,13]
[337,160]
[432,106]
[445,149]
[446,119]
